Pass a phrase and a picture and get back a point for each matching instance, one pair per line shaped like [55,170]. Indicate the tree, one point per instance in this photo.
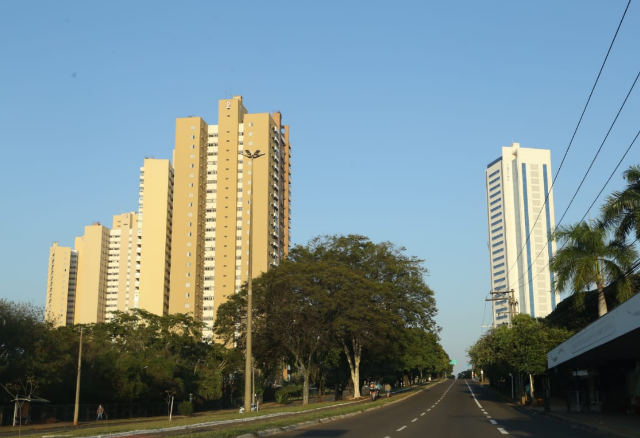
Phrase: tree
[391,297]
[521,349]
[589,257]
[296,309]
[622,209]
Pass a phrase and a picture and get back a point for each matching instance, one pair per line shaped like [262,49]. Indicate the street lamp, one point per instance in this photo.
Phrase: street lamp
[247,363]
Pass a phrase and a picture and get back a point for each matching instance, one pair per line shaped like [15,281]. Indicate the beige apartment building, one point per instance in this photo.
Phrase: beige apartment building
[154,233]
[187,248]
[122,272]
[61,285]
[210,240]
[91,288]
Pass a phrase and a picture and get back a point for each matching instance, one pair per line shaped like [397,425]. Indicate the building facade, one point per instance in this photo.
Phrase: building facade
[520,219]
[121,272]
[210,243]
[187,248]
[155,210]
[93,264]
[61,285]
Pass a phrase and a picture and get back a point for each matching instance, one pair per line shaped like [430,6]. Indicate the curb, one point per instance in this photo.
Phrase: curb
[268,432]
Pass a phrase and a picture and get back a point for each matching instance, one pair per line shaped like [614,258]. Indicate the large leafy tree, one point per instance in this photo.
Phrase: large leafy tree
[588,257]
[392,298]
[622,208]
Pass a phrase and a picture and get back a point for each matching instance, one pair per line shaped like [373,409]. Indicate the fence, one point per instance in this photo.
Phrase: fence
[46,413]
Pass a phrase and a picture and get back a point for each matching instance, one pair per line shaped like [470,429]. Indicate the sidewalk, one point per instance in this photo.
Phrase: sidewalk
[613,424]
[616,425]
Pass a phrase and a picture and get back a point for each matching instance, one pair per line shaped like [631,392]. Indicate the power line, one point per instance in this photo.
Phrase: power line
[595,199]
[546,199]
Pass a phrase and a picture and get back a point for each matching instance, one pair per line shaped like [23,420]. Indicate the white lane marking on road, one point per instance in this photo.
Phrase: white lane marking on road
[493,421]
[428,409]
[422,414]
[401,429]
[414,420]
[502,431]
[488,416]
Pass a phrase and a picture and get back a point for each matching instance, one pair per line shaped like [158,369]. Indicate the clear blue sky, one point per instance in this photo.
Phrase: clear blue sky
[395,110]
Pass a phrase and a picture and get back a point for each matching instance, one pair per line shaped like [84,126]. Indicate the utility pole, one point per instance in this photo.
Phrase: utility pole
[248,390]
[77,407]
[508,295]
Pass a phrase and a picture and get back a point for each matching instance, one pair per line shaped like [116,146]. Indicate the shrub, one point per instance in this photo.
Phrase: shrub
[282,396]
[185,408]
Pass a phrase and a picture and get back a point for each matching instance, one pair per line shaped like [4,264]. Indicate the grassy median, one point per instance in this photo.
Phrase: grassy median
[284,416]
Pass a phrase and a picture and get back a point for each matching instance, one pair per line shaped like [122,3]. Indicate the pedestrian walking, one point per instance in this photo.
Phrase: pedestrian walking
[387,389]
[100,411]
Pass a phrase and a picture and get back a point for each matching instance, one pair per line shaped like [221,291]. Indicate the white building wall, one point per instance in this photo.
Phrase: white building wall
[522,177]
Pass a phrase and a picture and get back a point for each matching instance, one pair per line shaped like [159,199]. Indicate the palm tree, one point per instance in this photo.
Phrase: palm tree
[622,209]
[589,257]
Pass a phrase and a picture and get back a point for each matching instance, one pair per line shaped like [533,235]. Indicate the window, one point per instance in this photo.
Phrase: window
[498,273]
[495,208]
[498,258]
[186,306]
[193,146]
[494,180]
[494,173]
[188,285]
[192,156]
[496,201]
[496,215]
[193,137]
[497,186]
[499,221]
[192,165]
[190,204]
[497,243]
[497,237]
[188,274]
[496,230]
[190,184]
[188,254]
[495,194]
[188,264]
[499,265]
[497,251]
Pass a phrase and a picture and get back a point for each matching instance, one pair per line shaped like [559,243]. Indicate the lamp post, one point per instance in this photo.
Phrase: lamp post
[76,408]
[247,363]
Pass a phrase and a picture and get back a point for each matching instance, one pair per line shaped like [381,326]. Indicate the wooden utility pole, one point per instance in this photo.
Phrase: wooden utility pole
[77,407]
[508,295]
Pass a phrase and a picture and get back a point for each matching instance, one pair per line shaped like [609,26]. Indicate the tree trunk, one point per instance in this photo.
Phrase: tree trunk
[354,366]
[305,388]
[602,304]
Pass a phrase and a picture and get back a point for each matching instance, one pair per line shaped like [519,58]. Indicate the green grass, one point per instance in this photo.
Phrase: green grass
[329,409]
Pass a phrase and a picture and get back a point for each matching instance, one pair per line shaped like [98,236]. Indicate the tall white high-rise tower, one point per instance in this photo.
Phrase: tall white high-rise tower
[517,184]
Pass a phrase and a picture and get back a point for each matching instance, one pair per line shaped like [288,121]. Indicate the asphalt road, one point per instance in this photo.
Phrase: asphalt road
[454,408]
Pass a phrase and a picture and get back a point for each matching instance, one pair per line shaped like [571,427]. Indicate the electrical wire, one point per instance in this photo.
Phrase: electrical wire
[592,204]
[546,199]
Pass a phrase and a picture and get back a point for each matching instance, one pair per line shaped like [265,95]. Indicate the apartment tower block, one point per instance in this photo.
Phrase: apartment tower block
[519,225]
